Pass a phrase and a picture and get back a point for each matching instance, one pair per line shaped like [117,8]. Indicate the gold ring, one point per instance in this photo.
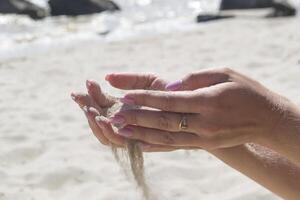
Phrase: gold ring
[183,123]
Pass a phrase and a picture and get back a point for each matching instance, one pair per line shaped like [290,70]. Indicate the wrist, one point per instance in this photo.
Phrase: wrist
[288,124]
[286,130]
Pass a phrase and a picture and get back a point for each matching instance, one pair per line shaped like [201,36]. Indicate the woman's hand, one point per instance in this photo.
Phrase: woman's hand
[95,104]
[223,109]
[226,105]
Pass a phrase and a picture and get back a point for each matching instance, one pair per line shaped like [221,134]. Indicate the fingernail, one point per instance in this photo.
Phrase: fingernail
[89,83]
[174,86]
[127,100]
[117,119]
[100,118]
[85,109]
[73,96]
[107,77]
[126,132]
[93,110]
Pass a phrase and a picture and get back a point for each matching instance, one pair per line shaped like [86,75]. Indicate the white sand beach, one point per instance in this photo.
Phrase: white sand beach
[47,151]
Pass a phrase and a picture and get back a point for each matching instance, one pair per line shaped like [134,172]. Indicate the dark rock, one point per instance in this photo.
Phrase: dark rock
[245,4]
[80,7]
[207,17]
[23,7]
[282,9]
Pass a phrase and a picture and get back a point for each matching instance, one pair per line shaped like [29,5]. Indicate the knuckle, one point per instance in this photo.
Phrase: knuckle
[168,138]
[168,102]
[150,79]
[163,122]
[139,135]
[131,116]
[142,98]
[136,82]
[147,97]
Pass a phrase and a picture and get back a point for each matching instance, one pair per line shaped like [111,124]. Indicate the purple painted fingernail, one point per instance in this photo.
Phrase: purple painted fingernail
[126,132]
[174,86]
[127,100]
[117,119]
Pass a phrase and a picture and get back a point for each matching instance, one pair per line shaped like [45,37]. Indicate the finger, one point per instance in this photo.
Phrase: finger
[154,136]
[91,113]
[201,79]
[162,148]
[183,101]
[157,120]
[83,99]
[94,90]
[158,148]
[130,81]
[108,131]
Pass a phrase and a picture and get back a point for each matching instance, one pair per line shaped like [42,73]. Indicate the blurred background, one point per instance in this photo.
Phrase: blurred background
[46,148]
[137,17]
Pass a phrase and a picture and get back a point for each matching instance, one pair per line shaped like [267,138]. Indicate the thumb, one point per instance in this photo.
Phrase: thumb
[133,81]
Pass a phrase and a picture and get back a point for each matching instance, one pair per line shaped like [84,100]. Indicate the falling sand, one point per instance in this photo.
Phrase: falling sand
[131,157]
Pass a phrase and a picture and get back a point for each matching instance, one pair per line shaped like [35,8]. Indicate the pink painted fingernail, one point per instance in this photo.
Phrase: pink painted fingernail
[85,109]
[107,77]
[98,120]
[174,86]
[89,83]
[126,132]
[117,119]
[127,100]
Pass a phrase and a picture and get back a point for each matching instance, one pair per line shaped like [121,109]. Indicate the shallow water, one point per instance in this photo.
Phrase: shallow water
[21,36]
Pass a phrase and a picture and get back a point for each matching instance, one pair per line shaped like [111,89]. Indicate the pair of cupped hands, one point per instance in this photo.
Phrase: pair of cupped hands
[222,108]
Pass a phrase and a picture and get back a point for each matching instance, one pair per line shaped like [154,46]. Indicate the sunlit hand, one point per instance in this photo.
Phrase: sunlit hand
[223,108]
[95,103]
